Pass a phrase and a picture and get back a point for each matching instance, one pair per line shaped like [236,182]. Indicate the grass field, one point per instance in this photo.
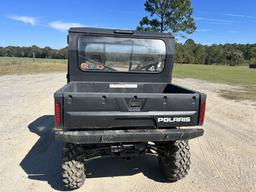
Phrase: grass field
[17,65]
[242,76]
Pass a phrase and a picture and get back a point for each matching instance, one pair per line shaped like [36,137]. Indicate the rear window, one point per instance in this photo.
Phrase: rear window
[110,54]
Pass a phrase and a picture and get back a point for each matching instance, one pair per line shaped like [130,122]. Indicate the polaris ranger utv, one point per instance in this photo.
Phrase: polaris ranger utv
[119,101]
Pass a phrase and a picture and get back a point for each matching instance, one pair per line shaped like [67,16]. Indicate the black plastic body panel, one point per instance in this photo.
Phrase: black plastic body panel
[122,136]
[95,106]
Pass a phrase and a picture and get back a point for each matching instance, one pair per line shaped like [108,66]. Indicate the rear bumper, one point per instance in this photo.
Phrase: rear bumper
[116,136]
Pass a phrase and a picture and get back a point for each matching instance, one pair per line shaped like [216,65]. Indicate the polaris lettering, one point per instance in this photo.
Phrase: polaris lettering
[173,119]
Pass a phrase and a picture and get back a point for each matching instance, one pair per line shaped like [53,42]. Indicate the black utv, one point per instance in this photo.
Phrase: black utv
[119,101]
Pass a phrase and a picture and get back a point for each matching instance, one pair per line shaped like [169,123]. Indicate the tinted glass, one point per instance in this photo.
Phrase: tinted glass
[121,54]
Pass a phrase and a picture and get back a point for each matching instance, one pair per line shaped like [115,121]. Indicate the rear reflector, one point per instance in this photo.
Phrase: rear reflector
[202,113]
[57,113]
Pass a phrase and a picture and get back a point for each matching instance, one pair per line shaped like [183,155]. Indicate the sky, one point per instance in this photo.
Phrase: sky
[45,23]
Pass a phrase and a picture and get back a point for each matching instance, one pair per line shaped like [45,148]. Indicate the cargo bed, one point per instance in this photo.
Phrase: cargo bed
[103,105]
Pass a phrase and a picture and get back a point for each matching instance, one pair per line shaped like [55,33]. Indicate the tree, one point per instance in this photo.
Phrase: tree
[252,55]
[1,51]
[215,55]
[47,52]
[235,57]
[190,43]
[63,53]
[168,15]
[34,51]
[200,54]
[189,55]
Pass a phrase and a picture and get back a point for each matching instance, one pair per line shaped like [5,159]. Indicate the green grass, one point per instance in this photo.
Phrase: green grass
[241,76]
[18,65]
[217,73]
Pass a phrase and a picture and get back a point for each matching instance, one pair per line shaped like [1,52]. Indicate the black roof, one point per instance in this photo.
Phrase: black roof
[118,31]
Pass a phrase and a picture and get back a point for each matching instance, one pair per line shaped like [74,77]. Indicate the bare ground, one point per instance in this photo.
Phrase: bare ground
[224,159]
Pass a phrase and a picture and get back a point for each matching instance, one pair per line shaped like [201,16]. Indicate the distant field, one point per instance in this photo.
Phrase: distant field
[217,73]
[18,65]
[241,75]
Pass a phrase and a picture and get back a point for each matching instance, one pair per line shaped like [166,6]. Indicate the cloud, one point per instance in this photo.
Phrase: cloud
[213,20]
[229,15]
[216,23]
[233,15]
[203,30]
[239,15]
[25,19]
[63,26]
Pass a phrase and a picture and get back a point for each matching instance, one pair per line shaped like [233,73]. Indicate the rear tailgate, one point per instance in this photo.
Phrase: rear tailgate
[98,110]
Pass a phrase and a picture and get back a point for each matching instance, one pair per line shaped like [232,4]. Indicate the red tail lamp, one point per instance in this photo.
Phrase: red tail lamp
[57,113]
[202,113]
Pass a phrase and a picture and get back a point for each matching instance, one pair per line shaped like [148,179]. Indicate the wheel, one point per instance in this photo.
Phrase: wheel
[174,161]
[73,169]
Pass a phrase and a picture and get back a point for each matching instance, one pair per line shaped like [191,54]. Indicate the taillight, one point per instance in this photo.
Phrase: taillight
[202,113]
[57,113]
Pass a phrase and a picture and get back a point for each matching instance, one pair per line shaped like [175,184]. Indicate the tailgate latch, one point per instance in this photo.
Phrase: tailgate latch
[134,105]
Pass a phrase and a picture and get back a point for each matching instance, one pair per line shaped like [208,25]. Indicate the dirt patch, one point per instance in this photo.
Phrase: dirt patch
[224,159]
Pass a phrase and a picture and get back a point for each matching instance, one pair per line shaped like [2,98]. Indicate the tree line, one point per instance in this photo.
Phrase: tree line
[186,53]
[37,52]
[218,54]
